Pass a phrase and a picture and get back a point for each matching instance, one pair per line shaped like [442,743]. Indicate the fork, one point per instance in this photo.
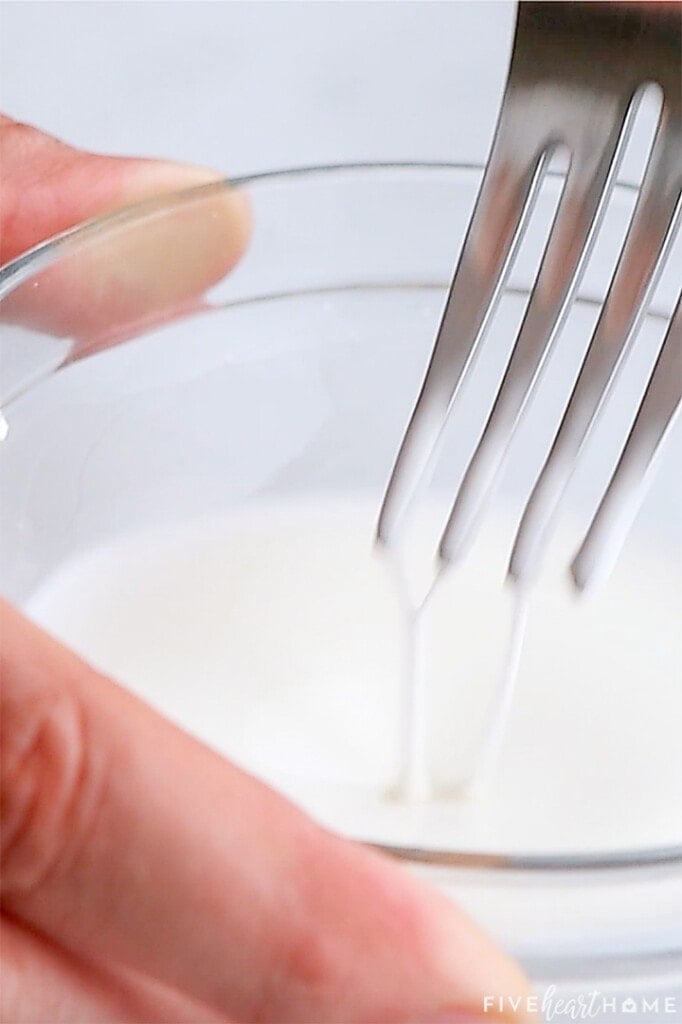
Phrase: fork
[577,73]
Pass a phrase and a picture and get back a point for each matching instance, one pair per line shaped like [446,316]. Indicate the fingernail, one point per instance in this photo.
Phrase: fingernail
[168,261]
[147,271]
[477,969]
[465,969]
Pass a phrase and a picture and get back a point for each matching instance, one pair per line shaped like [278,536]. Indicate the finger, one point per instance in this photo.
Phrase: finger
[139,274]
[133,842]
[42,984]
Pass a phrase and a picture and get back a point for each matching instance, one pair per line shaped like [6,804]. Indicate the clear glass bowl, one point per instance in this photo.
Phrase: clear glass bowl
[291,381]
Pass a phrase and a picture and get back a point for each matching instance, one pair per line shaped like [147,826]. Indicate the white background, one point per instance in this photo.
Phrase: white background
[246,86]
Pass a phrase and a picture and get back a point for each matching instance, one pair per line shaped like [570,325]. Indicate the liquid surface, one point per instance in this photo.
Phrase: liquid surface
[277,635]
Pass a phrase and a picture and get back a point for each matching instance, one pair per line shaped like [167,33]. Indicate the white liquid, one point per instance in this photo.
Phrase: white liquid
[277,636]
[415,782]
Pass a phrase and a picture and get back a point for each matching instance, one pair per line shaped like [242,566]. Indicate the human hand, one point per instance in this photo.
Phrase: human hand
[153,270]
[144,877]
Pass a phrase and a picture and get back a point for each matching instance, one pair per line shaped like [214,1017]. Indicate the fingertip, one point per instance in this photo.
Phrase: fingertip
[149,179]
[142,269]
[424,958]
[148,267]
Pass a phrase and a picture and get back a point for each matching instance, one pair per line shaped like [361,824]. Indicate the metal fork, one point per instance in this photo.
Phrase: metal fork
[576,74]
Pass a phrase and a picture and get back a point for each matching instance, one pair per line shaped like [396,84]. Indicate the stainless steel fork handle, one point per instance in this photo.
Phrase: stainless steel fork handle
[575,75]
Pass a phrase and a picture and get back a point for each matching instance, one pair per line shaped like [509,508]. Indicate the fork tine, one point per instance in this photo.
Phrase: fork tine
[505,199]
[649,239]
[658,409]
[590,177]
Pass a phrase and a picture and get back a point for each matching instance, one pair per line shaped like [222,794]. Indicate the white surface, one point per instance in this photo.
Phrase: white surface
[249,86]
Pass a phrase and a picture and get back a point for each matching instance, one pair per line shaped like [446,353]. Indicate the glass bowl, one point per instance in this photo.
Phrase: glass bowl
[187,471]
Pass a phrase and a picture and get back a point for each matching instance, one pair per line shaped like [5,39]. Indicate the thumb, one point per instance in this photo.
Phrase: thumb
[126,841]
[147,270]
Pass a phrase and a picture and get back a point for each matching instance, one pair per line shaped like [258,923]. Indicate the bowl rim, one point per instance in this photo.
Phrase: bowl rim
[614,862]
[41,255]
[36,258]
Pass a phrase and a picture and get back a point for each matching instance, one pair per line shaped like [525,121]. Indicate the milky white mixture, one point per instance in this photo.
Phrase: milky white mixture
[278,636]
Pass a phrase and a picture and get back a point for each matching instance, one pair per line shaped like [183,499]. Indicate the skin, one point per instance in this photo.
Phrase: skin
[144,878]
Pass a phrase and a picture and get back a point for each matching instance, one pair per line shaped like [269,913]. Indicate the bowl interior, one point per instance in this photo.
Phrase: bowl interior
[215,479]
